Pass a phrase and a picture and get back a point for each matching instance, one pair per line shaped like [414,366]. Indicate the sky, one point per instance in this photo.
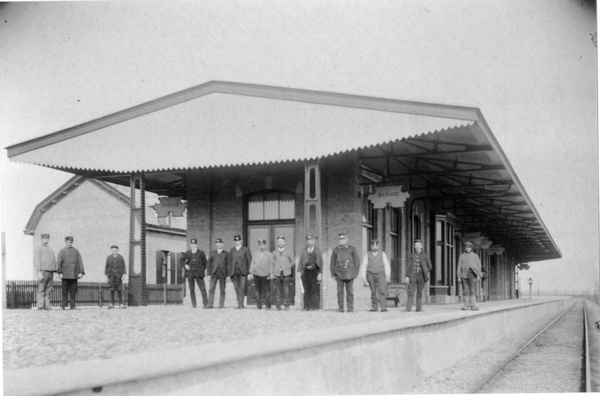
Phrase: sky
[530,66]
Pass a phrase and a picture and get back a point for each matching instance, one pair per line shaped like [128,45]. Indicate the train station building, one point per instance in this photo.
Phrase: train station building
[264,161]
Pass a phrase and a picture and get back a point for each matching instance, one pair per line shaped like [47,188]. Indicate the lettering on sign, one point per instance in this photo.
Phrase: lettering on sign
[393,195]
[166,205]
[374,177]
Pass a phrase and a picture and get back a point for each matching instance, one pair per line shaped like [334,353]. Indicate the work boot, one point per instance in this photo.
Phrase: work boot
[466,304]
[473,304]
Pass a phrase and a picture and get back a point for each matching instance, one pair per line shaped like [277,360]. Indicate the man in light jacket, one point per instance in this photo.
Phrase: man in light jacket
[469,272]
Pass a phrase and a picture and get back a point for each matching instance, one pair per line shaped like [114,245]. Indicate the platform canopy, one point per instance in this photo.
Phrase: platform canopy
[446,152]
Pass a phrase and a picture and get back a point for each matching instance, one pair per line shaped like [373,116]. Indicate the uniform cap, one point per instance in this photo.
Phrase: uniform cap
[281,237]
[418,241]
[237,238]
[45,235]
[374,242]
[342,235]
[310,237]
[219,240]
[69,238]
[261,241]
[194,241]
[114,247]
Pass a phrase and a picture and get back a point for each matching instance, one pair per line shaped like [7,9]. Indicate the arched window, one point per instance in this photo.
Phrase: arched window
[271,206]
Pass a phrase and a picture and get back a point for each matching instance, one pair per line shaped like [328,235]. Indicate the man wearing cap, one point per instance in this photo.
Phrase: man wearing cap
[310,268]
[194,263]
[218,264]
[240,259]
[345,264]
[376,270]
[70,269]
[114,269]
[283,261]
[45,265]
[417,270]
[260,270]
[469,272]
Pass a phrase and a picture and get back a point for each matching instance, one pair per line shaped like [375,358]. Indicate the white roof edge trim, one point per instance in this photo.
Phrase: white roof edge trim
[254,90]
[486,129]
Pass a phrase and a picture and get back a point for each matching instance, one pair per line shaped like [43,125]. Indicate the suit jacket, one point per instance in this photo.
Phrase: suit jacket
[241,259]
[304,259]
[69,263]
[345,262]
[197,260]
[115,266]
[466,262]
[215,260]
[423,261]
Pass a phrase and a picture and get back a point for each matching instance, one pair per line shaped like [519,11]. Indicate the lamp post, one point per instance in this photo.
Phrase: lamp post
[530,283]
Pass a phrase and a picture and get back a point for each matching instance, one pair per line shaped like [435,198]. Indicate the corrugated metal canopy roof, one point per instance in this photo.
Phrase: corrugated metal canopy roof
[448,152]
[220,127]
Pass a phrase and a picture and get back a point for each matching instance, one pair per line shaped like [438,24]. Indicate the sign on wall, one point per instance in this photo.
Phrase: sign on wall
[166,205]
[394,195]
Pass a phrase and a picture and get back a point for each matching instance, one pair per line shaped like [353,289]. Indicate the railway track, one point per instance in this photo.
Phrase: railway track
[556,359]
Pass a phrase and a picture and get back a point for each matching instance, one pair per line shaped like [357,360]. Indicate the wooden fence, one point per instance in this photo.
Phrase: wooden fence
[23,294]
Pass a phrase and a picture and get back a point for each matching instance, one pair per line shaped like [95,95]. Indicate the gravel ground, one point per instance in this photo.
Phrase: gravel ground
[465,374]
[38,338]
[551,364]
[593,312]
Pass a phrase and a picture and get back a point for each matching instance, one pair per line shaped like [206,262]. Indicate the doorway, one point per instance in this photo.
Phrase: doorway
[270,232]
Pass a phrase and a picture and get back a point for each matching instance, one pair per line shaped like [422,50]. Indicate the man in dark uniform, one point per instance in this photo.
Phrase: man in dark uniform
[194,262]
[114,270]
[310,268]
[218,264]
[240,259]
[417,270]
[345,264]
[70,269]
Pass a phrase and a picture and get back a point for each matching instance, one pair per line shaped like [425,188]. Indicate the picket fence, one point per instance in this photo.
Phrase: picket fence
[23,294]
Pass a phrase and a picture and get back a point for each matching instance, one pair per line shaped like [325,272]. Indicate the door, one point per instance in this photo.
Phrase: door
[270,232]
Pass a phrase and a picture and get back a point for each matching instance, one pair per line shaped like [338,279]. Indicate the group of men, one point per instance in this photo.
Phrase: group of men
[69,266]
[271,271]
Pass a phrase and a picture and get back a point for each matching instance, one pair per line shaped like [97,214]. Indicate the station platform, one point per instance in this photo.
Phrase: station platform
[252,352]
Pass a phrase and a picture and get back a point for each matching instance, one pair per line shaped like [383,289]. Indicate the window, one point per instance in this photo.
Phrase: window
[271,206]
[369,230]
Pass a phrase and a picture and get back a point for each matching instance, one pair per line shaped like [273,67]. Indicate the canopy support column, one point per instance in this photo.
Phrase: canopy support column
[312,211]
[138,293]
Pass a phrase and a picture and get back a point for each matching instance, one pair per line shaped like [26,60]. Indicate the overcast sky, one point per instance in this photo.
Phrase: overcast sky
[530,66]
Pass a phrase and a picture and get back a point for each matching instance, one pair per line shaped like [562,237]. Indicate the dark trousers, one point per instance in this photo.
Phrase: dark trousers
[282,290]
[211,292]
[417,283]
[69,289]
[341,284]
[311,289]
[263,291]
[191,275]
[240,282]
[112,297]
[115,285]
[469,286]
[377,284]
[45,289]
